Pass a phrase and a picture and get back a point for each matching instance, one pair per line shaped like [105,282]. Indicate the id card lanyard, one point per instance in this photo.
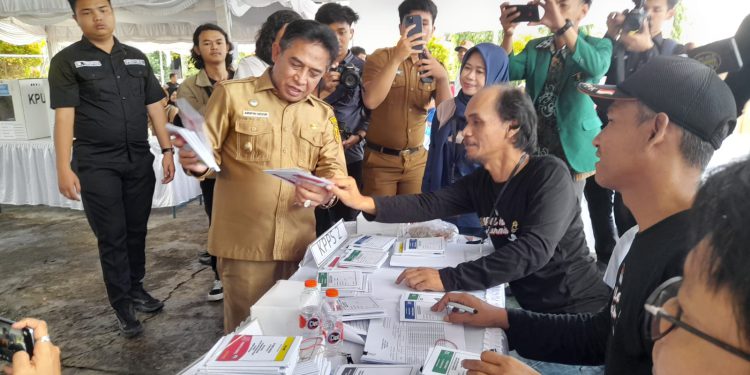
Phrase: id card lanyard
[495,213]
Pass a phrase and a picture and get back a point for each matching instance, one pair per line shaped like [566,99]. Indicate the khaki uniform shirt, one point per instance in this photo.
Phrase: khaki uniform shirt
[398,122]
[195,89]
[251,129]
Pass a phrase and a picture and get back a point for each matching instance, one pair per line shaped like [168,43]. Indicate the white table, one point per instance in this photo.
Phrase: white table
[28,176]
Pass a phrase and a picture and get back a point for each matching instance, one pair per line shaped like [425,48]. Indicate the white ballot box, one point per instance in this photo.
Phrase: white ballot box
[25,109]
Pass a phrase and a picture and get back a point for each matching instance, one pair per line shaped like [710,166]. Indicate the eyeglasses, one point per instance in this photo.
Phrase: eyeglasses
[660,305]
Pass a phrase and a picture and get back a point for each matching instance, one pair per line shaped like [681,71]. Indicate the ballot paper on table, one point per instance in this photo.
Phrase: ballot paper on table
[417,307]
[311,359]
[368,260]
[192,133]
[363,369]
[429,246]
[297,176]
[340,279]
[358,308]
[392,341]
[372,242]
[446,361]
[253,354]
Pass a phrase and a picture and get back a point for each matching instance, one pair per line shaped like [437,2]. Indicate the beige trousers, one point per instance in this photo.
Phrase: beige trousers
[245,282]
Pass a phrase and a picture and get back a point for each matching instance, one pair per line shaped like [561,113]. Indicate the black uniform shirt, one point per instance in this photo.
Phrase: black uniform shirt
[110,92]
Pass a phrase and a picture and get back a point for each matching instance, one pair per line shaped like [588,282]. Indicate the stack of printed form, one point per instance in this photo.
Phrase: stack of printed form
[349,283]
[311,359]
[371,242]
[429,246]
[363,259]
[358,308]
[253,354]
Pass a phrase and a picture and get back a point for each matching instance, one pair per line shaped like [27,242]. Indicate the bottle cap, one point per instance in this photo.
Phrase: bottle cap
[311,283]
[332,293]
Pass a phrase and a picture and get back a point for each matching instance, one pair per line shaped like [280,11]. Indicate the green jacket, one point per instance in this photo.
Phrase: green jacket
[575,112]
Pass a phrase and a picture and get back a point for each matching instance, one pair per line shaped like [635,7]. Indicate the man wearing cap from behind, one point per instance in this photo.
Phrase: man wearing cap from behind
[460,49]
[665,122]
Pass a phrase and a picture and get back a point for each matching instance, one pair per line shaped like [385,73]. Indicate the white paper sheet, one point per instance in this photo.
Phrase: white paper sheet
[392,341]
[446,361]
[296,176]
[378,370]
[417,307]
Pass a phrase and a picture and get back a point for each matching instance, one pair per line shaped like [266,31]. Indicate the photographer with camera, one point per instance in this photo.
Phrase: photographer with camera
[341,87]
[637,38]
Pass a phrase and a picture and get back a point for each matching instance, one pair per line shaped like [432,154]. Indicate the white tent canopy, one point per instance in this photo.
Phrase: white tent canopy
[160,21]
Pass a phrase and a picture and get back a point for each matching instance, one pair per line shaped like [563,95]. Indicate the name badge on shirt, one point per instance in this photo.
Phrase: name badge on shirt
[255,114]
[134,62]
[81,64]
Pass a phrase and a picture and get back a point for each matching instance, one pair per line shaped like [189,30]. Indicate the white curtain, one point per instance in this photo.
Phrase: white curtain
[14,32]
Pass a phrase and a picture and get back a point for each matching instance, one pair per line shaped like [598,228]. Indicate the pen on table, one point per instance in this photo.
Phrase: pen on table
[462,308]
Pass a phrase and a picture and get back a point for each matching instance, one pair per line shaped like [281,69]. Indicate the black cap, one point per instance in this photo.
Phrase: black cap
[690,93]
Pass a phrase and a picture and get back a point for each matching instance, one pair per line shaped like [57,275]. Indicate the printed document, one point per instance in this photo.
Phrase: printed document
[446,361]
[340,279]
[392,341]
[297,176]
[363,369]
[417,307]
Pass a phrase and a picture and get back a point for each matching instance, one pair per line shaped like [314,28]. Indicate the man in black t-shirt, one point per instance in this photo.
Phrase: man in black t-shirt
[102,92]
[664,124]
[528,206]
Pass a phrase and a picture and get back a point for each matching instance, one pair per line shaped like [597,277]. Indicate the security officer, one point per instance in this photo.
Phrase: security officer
[259,230]
[101,91]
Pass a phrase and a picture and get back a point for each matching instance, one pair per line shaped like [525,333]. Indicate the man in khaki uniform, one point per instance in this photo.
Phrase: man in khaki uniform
[394,156]
[259,230]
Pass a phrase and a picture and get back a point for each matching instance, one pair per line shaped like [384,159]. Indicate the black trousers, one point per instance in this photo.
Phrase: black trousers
[325,219]
[117,200]
[207,189]
[600,205]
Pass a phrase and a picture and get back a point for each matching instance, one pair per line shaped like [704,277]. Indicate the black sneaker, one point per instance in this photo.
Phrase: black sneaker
[144,302]
[217,292]
[205,259]
[129,325]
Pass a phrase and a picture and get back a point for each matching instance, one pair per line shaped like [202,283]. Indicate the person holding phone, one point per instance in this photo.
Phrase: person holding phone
[399,83]
[552,66]
[46,358]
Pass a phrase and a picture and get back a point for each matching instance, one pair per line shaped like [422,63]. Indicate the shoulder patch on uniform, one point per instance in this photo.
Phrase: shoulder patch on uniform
[336,132]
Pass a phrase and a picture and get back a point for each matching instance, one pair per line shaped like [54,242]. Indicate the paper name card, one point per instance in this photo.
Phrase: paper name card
[328,242]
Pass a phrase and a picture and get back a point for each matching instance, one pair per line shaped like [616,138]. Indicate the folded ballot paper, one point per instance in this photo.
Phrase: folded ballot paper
[417,307]
[253,354]
[426,247]
[193,134]
[297,176]
[372,242]
[362,259]
[360,307]
[446,361]
[350,283]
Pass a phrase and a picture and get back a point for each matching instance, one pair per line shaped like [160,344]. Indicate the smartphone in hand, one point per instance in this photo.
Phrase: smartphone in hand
[13,340]
[527,13]
[417,21]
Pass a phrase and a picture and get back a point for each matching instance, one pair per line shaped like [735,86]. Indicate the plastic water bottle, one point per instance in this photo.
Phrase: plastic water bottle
[333,326]
[309,304]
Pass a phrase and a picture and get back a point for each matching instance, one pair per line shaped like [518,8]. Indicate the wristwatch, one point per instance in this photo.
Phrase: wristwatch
[167,149]
[565,28]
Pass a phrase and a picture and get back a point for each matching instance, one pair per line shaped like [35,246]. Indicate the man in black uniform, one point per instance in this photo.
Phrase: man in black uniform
[102,91]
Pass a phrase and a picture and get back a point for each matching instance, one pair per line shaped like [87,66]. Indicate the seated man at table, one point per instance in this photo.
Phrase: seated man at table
[653,151]
[526,203]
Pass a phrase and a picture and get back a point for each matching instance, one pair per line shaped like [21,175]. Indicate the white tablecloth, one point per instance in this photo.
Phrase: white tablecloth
[28,176]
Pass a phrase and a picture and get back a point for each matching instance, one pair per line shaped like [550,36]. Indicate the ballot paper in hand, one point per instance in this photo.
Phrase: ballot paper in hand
[297,176]
[446,361]
[417,307]
[193,134]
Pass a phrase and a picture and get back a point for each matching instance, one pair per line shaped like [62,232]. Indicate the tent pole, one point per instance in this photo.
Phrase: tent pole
[224,19]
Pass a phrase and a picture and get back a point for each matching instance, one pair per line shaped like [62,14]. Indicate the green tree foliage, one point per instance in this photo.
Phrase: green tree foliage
[679,19]
[22,67]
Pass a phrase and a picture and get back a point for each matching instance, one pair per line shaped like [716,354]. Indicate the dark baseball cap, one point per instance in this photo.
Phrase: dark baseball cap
[690,93]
